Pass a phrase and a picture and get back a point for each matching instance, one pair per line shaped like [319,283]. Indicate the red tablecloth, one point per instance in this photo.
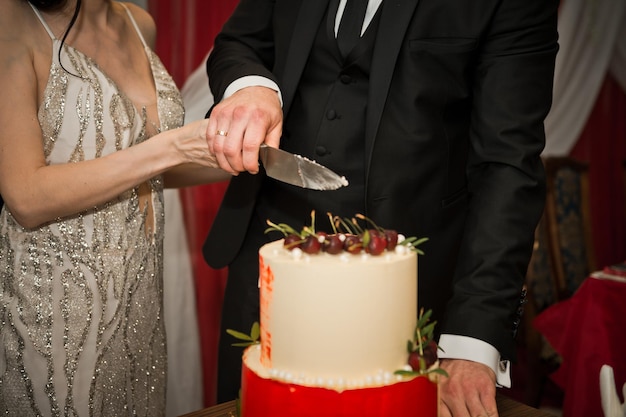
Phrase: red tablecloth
[588,331]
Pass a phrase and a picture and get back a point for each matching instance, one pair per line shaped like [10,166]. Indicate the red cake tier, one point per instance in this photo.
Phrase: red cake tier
[263,397]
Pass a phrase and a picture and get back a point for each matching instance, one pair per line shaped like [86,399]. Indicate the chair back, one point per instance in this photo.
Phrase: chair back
[541,287]
[562,258]
[568,221]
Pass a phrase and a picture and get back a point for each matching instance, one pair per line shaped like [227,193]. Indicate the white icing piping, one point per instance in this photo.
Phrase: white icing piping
[380,378]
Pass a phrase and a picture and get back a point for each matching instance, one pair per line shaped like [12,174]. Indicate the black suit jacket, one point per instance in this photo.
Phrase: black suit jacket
[458,94]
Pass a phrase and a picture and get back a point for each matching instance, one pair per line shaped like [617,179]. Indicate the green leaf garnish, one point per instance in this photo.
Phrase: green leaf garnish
[248,340]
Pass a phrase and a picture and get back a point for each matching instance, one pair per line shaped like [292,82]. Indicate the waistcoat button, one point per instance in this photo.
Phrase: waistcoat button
[321,150]
[346,79]
[331,114]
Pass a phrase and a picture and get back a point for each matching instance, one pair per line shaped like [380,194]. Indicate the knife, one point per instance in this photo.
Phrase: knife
[298,170]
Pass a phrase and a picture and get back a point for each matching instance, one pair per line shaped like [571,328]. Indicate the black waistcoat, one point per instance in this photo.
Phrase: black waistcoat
[326,123]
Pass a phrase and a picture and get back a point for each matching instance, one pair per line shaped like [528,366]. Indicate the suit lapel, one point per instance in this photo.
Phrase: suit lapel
[307,23]
[394,21]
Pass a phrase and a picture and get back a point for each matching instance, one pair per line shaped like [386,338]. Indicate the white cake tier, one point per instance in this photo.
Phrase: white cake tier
[336,317]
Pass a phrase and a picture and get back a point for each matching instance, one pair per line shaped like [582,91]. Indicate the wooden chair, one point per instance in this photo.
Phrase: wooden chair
[562,258]
[568,221]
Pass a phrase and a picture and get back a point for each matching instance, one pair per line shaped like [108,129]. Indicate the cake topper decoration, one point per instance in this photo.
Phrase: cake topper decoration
[423,348]
[349,235]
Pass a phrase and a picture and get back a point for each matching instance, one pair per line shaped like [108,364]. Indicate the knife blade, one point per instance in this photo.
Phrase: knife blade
[298,170]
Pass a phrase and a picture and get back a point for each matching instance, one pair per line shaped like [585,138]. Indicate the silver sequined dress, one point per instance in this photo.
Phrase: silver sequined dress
[81,311]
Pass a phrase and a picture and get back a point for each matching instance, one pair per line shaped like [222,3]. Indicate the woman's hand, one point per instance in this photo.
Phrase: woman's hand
[191,144]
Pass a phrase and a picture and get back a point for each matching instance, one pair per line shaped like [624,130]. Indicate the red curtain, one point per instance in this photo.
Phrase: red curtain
[186,29]
[185,33]
[602,144]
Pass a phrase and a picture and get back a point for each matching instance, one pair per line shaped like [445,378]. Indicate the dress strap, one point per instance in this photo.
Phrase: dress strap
[43,22]
[132,19]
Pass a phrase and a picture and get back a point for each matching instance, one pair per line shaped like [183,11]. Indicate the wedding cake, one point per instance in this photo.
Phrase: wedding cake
[334,330]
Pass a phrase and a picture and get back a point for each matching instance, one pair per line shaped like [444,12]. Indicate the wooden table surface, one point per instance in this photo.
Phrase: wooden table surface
[506,407]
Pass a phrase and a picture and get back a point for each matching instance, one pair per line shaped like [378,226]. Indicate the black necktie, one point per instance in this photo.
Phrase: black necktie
[349,31]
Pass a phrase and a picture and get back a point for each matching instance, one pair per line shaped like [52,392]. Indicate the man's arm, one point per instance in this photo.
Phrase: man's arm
[511,98]
[250,111]
[244,47]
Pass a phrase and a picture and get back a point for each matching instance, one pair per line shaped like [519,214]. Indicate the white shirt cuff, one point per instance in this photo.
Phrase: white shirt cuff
[250,81]
[468,348]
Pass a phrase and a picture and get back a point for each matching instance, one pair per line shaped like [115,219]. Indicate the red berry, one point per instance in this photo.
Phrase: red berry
[292,241]
[392,239]
[422,362]
[333,244]
[414,361]
[311,245]
[377,244]
[353,244]
[430,353]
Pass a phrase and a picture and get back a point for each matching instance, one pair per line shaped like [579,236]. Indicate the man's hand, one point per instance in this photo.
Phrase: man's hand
[469,390]
[239,124]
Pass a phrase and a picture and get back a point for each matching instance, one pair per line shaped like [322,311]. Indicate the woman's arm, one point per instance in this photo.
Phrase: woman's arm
[37,193]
